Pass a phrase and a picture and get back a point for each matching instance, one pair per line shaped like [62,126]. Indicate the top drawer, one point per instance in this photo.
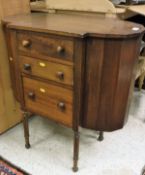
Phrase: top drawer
[43,46]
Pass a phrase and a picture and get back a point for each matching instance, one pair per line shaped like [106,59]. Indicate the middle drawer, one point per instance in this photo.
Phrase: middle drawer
[47,70]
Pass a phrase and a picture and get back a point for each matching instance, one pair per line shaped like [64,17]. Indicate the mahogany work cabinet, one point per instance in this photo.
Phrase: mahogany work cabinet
[75,70]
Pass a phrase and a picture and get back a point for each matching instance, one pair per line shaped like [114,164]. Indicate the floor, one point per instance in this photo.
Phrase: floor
[121,153]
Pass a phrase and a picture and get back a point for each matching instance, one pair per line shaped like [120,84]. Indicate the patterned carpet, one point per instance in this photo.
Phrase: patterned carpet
[121,153]
[7,168]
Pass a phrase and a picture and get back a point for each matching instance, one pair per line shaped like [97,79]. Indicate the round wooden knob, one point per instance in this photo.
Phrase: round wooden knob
[26,43]
[27,67]
[60,75]
[61,106]
[31,95]
[60,49]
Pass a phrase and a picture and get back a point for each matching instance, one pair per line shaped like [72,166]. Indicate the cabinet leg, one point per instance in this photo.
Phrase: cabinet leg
[26,129]
[101,136]
[76,151]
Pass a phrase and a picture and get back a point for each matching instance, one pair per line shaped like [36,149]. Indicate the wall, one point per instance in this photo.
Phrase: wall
[103,6]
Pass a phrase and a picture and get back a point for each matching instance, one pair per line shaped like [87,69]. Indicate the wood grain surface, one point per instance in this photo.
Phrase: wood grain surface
[46,100]
[108,80]
[40,46]
[75,25]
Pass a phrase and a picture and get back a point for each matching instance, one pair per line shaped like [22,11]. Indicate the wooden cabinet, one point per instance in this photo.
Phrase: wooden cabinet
[10,113]
[72,74]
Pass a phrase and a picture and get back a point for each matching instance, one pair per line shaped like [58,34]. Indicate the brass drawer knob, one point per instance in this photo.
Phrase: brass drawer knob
[26,43]
[61,106]
[27,67]
[31,95]
[60,75]
[60,49]
[42,90]
[11,59]
[42,64]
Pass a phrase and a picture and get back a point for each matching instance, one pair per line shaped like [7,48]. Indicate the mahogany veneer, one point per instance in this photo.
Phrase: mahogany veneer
[73,69]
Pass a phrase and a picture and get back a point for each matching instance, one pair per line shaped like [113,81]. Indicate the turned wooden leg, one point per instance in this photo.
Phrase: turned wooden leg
[141,80]
[101,136]
[76,151]
[26,129]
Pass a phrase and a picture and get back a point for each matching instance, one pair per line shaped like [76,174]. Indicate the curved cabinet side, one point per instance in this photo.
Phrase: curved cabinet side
[109,71]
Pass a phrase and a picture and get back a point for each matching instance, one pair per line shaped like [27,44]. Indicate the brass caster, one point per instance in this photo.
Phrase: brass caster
[100,139]
[75,169]
[27,146]
[101,136]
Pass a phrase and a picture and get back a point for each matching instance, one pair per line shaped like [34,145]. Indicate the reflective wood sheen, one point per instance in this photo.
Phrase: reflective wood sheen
[74,25]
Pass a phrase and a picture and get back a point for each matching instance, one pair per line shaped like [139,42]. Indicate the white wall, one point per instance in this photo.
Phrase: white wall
[82,5]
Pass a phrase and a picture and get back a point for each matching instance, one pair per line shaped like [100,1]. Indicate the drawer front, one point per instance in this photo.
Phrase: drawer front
[48,100]
[48,70]
[41,46]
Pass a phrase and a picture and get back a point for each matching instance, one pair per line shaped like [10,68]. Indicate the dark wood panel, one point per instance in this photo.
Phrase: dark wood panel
[12,62]
[12,46]
[109,70]
[109,78]
[79,63]
[126,78]
[94,63]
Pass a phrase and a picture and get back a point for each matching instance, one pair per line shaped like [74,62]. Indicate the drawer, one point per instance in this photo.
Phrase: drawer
[41,46]
[48,100]
[48,70]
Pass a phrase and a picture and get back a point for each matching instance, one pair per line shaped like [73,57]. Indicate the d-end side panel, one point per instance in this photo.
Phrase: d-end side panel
[109,72]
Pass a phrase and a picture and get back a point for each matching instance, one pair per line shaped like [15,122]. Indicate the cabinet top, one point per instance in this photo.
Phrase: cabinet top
[74,25]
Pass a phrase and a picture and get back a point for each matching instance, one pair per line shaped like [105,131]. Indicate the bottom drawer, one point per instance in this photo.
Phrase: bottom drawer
[48,100]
